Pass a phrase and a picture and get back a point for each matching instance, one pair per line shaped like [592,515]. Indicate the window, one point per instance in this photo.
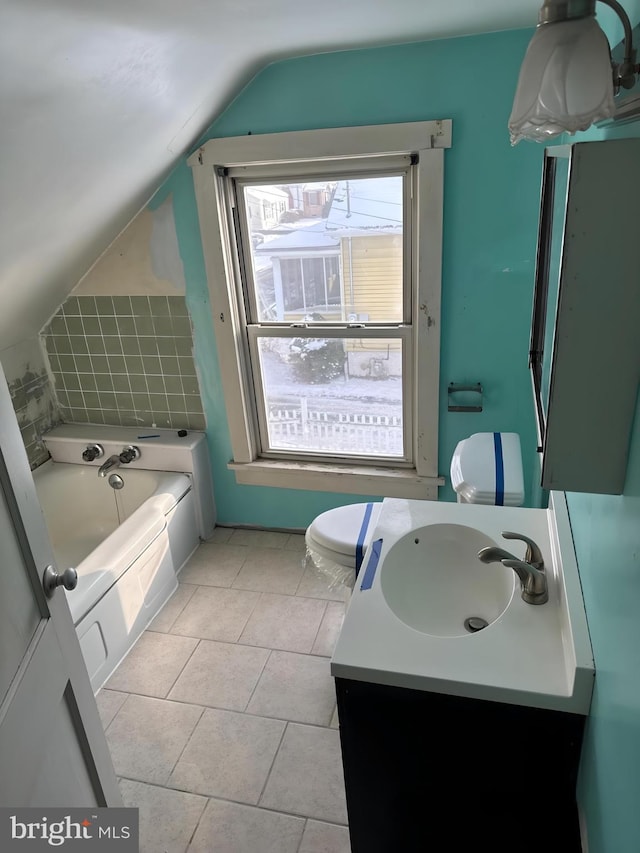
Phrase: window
[329,329]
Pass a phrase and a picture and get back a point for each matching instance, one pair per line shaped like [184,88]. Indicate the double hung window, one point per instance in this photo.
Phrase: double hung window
[326,300]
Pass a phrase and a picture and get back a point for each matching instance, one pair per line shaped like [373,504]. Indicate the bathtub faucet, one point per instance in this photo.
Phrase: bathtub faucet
[112,462]
[129,454]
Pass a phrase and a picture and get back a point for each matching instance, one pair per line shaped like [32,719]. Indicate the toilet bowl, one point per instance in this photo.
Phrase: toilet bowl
[337,540]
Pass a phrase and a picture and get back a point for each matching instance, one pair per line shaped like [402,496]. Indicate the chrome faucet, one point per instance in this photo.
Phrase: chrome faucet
[533,580]
[129,454]
[111,462]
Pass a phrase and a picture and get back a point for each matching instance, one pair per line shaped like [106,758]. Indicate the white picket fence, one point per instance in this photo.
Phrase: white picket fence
[335,431]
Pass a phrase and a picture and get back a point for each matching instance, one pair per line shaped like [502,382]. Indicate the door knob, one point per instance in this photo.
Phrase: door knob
[52,579]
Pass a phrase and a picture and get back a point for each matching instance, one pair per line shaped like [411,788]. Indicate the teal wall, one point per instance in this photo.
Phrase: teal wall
[490,217]
[606,532]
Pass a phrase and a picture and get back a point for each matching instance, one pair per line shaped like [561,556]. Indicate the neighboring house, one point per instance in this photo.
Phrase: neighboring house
[265,206]
[367,216]
[306,273]
[347,267]
[311,199]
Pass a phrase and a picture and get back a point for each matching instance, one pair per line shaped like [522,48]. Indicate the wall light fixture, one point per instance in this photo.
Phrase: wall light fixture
[568,79]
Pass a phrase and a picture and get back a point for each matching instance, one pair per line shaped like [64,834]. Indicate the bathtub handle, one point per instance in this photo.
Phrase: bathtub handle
[52,579]
[93,451]
[130,453]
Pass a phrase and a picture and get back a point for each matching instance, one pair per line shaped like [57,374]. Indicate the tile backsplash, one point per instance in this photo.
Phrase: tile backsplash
[125,360]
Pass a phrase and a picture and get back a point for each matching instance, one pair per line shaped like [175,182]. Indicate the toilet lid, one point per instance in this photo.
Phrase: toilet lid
[338,529]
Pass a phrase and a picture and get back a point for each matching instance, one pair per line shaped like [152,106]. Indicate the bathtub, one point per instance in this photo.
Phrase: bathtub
[126,544]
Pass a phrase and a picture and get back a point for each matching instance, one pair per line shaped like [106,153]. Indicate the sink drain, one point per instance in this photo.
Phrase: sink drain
[475,623]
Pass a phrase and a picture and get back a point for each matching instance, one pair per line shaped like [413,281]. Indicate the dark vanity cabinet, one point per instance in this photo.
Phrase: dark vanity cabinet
[444,774]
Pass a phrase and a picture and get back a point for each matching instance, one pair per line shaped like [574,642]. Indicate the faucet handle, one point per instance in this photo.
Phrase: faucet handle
[533,554]
[92,451]
[532,580]
[130,454]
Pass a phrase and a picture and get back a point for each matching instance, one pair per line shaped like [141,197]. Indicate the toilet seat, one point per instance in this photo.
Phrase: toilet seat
[335,534]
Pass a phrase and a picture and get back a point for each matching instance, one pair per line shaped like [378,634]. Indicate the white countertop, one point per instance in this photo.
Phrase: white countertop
[533,655]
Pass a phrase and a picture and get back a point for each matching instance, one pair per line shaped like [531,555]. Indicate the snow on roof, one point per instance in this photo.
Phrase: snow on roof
[367,204]
[302,238]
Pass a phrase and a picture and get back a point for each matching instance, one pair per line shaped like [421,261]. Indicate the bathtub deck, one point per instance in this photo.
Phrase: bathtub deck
[222,720]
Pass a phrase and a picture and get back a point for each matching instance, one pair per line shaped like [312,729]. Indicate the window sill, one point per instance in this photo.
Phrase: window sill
[349,479]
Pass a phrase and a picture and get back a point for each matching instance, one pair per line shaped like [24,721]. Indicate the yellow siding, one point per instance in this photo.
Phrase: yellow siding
[375,282]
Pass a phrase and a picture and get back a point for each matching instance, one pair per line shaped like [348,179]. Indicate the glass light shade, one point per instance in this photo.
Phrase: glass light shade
[565,82]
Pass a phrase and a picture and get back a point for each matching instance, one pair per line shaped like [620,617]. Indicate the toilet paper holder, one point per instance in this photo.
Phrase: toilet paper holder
[457,388]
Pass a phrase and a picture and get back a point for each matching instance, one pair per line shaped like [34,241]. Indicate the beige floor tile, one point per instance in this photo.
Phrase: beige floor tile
[306,778]
[214,613]
[229,755]
[147,736]
[329,630]
[220,675]
[221,535]
[167,818]
[173,608]
[325,838]
[214,565]
[295,687]
[232,828]
[271,570]
[259,538]
[153,664]
[315,584]
[284,622]
[296,542]
[109,703]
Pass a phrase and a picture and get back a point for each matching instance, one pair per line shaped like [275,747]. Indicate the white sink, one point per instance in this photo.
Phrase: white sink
[434,582]
[421,579]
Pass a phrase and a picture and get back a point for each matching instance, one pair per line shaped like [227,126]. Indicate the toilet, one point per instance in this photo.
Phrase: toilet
[337,540]
[486,468]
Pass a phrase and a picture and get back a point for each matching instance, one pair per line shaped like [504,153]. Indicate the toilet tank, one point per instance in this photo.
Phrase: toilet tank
[486,468]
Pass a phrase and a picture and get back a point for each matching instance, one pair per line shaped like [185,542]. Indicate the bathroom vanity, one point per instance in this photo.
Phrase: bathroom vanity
[428,771]
[454,740]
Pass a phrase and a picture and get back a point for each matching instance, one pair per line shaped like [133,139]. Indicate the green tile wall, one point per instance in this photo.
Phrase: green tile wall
[125,360]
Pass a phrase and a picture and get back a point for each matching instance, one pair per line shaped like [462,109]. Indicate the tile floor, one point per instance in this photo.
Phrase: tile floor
[222,719]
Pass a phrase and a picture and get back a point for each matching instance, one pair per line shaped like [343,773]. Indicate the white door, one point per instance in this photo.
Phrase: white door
[53,751]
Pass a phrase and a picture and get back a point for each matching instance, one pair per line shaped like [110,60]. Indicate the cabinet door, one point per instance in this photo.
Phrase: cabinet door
[432,772]
[585,353]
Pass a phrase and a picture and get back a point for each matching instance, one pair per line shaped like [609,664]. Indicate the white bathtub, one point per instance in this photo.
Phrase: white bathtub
[127,546]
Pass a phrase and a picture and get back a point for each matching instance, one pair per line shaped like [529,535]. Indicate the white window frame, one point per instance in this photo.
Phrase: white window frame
[303,153]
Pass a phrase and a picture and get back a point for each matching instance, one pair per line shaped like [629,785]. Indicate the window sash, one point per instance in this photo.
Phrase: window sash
[371,167]
[404,334]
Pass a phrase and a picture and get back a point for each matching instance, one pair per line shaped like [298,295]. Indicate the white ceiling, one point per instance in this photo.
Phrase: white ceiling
[99,99]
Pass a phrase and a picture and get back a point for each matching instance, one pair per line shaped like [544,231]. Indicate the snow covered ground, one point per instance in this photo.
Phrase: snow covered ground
[352,415]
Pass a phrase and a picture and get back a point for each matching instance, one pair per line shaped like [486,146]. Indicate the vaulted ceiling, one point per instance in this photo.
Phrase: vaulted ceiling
[99,99]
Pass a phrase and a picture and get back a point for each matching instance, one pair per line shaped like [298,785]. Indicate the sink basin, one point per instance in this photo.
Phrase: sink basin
[433,581]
